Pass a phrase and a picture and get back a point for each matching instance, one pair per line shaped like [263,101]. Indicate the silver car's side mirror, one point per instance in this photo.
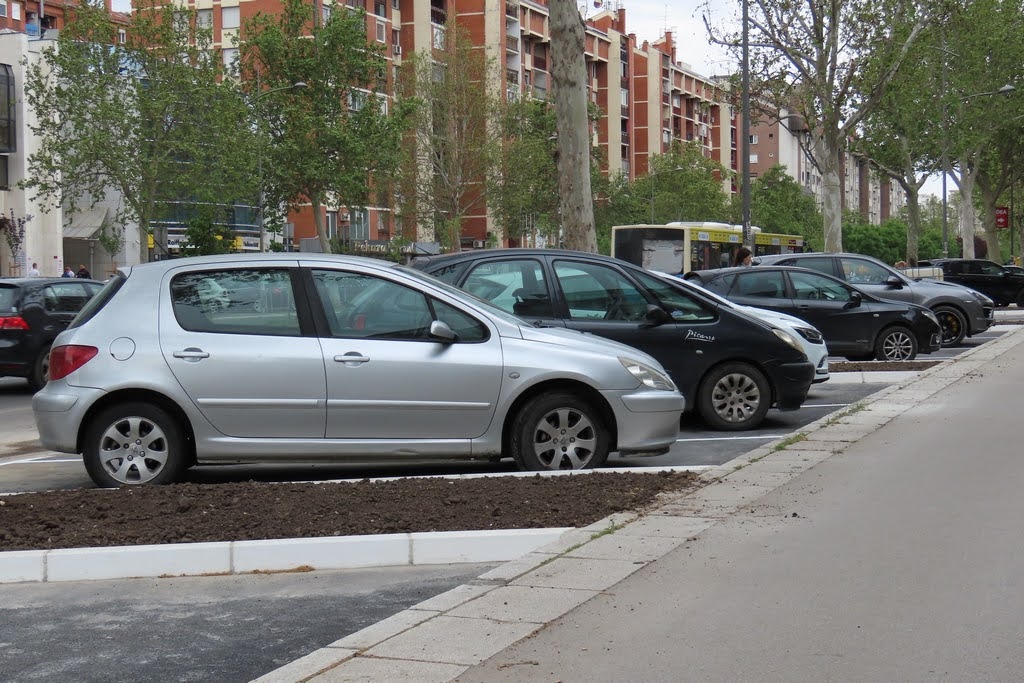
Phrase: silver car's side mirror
[441,332]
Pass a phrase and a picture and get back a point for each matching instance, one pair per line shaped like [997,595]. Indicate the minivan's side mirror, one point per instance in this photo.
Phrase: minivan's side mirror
[656,315]
[441,332]
[855,300]
[894,282]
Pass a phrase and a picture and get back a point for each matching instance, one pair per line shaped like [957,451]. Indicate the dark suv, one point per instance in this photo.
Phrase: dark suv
[33,311]
[962,311]
[1000,284]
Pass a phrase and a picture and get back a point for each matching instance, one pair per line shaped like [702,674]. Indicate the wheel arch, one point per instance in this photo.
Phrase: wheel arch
[744,361]
[140,396]
[589,393]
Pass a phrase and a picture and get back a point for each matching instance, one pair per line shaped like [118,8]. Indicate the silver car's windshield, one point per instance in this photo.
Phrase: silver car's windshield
[463,294]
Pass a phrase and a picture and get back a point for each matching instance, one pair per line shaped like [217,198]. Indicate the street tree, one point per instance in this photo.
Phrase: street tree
[988,57]
[522,194]
[683,185]
[810,56]
[336,141]
[456,140]
[569,93]
[778,203]
[121,117]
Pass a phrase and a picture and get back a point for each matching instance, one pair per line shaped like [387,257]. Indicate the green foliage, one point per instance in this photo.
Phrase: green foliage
[457,136]
[331,141]
[205,234]
[686,186]
[778,203]
[122,117]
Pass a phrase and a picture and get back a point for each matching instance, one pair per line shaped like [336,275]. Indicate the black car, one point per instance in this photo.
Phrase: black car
[854,323]
[999,283]
[962,311]
[730,367]
[33,311]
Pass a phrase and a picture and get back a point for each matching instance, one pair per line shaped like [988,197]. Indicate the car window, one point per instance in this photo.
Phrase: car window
[468,328]
[598,292]
[65,297]
[515,285]
[681,305]
[241,301]
[360,306]
[811,287]
[763,285]
[989,268]
[8,299]
[859,271]
[822,264]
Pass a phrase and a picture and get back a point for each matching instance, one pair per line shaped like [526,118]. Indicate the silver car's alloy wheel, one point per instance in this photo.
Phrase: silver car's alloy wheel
[558,431]
[564,439]
[736,397]
[133,450]
[898,346]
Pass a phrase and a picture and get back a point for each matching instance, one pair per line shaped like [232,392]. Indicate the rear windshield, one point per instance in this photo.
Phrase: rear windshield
[8,299]
[99,301]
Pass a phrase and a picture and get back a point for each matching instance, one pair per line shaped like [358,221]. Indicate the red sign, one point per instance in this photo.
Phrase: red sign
[1002,217]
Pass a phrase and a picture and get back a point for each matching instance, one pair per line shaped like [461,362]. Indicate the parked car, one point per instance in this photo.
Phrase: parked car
[1015,269]
[812,341]
[33,311]
[962,312]
[730,367]
[855,324]
[346,359]
[997,282]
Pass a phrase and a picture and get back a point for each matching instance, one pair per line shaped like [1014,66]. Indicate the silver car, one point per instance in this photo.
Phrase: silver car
[308,357]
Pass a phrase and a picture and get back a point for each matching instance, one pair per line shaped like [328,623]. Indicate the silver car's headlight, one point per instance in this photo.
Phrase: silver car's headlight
[789,339]
[647,375]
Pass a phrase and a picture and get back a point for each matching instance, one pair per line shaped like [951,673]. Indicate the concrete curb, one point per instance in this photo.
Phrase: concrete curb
[441,638]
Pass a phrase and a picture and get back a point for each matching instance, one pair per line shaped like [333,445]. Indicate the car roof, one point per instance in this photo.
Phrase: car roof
[270,257]
[715,272]
[420,261]
[42,280]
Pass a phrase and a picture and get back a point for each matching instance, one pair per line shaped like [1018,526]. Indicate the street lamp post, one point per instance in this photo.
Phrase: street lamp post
[298,85]
[745,128]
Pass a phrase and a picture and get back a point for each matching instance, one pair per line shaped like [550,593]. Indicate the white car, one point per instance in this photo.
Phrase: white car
[809,337]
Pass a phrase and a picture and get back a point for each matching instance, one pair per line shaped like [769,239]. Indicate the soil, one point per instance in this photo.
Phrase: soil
[880,366]
[192,513]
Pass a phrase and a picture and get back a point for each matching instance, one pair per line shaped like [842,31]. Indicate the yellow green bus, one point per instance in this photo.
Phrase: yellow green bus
[677,248]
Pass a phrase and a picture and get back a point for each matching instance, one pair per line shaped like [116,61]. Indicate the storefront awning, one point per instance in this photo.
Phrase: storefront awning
[86,223]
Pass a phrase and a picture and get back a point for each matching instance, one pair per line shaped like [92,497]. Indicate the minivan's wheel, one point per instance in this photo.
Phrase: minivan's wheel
[39,375]
[734,396]
[896,343]
[954,325]
[559,431]
[130,444]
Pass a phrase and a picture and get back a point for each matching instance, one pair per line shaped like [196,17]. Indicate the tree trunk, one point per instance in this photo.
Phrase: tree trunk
[832,206]
[988,202]
[913,223]
[569,92]
[318,221]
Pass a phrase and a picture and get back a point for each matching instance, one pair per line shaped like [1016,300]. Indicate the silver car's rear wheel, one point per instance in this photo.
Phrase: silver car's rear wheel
[134,444]
[559,432]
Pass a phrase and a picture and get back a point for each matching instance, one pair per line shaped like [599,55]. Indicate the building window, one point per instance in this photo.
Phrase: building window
[122,36]
[753,158]
[382,32]
[325,13]
[5,181]
[204,18]
[359,225]
[230,55]
[753,139]
[394,4]
[15,11]
[3,8]
[8,119]
[356,100]
[380,8]
[332,224]
[229,17]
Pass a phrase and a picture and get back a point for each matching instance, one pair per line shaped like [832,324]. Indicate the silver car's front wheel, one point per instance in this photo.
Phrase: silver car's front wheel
[134,444]
[559,432]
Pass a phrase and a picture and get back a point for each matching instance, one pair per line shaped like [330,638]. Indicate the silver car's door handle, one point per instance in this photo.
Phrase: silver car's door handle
[351,357]
[192,354]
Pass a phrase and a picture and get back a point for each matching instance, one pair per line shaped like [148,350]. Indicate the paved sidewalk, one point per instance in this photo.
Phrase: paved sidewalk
[462,630]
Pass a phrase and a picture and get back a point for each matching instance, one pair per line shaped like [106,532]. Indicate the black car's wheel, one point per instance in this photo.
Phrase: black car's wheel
[130,444]
[559,431]
[896,343]
[733,397]
[954,325]
[39,375]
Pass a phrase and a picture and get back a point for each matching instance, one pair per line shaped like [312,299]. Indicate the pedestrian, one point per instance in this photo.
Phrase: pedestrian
[34,270]
[68,272]
[83,272]
[743,257]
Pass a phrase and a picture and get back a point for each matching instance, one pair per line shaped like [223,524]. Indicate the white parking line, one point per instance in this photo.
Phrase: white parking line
[763,437]
[39,459]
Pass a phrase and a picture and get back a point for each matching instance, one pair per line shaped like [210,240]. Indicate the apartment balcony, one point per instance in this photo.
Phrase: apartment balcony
[512,10]
[540,63]
[512,44]
[512,76]
[540,93]
[437,15]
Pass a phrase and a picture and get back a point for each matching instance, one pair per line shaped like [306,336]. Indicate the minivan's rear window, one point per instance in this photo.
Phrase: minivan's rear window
[100,300]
